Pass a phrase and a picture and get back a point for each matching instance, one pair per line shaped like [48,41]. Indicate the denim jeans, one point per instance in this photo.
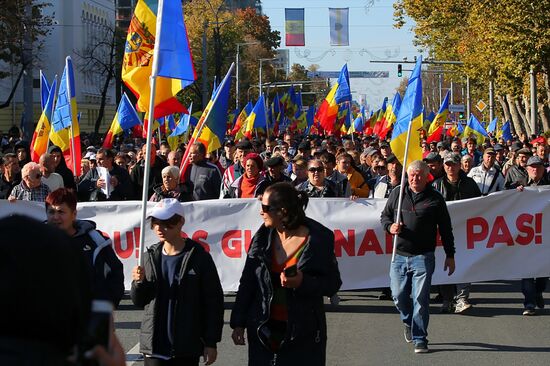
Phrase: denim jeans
[411,278]
[531,287]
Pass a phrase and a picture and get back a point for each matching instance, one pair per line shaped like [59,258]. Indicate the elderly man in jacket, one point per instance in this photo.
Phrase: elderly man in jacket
[423,212]
[488,177]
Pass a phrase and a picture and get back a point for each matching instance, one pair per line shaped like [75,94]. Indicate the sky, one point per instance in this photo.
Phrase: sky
[371,37]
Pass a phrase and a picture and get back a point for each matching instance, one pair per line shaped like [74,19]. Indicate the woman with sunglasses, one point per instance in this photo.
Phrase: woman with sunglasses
[289,268]
[31,187]
[179,287]
[317,185]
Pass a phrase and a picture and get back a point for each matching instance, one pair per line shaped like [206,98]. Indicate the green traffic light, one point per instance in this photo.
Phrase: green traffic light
[399,70]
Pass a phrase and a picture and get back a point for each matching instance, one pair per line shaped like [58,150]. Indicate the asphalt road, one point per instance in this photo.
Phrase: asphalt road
[366,331]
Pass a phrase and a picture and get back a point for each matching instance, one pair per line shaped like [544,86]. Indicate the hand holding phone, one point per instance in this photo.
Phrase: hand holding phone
[291,271]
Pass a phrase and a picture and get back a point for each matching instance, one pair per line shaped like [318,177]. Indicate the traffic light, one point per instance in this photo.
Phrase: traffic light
[461,115]
[399,70]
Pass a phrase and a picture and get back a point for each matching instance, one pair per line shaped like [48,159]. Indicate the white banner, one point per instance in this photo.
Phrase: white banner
[499,237]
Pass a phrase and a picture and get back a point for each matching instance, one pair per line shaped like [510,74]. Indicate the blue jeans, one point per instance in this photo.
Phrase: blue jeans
[531,287]
[411,278]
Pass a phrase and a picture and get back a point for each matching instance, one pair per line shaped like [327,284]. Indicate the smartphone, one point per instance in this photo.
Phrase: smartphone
[291,271]
[99,328]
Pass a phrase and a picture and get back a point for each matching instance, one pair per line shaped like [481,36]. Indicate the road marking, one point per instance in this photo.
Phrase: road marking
[133,355]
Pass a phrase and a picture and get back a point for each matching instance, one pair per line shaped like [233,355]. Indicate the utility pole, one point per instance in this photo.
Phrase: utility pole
[260,76]
[491,94]
[28,103]
[204,66]
[468,101]
[533,85]
[237,94]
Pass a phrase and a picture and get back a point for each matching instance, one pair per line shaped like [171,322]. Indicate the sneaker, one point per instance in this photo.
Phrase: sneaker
[462,305]
[446,308]
[408,334]
[529,312]
[334,300]
[421,347]
[539,300]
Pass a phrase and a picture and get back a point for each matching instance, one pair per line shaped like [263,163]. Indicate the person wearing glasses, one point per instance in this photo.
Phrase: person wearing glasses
[31,187]
[290,266]
[317,185]
[179,288]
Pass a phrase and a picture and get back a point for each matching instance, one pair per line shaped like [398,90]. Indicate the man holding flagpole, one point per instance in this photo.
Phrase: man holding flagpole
[423,212]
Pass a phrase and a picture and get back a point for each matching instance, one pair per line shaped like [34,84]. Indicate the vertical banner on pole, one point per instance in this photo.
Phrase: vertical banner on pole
[294,27]
[339,26]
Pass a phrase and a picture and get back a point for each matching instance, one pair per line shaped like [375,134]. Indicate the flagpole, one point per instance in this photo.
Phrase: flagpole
[202,123]
[402,188]
[266,121]
[147,165]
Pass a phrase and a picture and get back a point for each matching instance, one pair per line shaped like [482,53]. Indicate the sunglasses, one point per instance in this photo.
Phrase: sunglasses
[316,170]
[267,208]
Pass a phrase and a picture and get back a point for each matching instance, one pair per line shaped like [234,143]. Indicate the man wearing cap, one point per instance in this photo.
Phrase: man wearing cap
[455,185]
[533,288]
[500,159]
[275,171]
[304,149]
[517,174]
[471,149]
[179,288]
[435,162]
[392,179]
[385,149]
[235,170]
[488,177]
[343,189]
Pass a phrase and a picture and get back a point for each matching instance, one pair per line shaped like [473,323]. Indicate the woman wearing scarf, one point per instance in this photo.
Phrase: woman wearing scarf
[252,183]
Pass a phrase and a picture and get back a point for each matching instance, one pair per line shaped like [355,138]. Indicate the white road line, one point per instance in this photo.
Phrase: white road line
[133,355]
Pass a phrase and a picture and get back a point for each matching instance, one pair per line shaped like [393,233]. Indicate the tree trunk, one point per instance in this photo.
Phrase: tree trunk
[12,93]
[505,109]
[521,115]
[544,117]
[516,119]
[105,89]
[546,78]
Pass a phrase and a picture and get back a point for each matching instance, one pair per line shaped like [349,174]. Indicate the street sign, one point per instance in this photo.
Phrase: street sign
[481,105]
[352,74]
[456,108]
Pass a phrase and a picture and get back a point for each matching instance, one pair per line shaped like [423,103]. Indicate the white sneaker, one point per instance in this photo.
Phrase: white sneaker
[462,305]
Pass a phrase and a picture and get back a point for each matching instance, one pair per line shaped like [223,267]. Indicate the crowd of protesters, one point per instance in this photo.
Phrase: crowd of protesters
[348,167]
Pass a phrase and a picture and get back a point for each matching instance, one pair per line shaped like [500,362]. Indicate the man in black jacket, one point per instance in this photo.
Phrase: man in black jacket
[179,287]
[423,211]
[455,185]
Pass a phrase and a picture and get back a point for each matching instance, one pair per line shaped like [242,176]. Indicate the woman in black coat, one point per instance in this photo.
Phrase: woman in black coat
[289,268]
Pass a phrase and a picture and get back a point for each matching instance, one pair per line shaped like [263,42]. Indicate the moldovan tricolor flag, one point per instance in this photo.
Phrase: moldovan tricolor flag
[328,110]
[39,143]
[294,27]
[410,113]
[65,131]
[390,116]
[126,117]
[339,26]
[436,128]
[175,64]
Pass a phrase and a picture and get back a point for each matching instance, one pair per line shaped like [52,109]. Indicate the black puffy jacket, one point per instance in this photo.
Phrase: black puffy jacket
[198,318]
[107,272]
[306,314]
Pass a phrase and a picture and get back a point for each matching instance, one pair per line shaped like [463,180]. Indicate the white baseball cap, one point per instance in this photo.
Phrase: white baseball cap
[167,208]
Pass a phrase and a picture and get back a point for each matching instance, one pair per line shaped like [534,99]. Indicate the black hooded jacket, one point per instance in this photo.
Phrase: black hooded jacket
[63,170]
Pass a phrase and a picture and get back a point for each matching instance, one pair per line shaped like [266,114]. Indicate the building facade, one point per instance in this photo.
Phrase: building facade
[81,28]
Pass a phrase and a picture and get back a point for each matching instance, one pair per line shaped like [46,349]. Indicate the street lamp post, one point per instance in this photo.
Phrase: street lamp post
[237,72]
[260,76]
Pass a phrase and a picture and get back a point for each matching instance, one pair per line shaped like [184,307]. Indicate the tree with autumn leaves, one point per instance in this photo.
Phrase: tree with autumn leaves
[224,30]
[499,39]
